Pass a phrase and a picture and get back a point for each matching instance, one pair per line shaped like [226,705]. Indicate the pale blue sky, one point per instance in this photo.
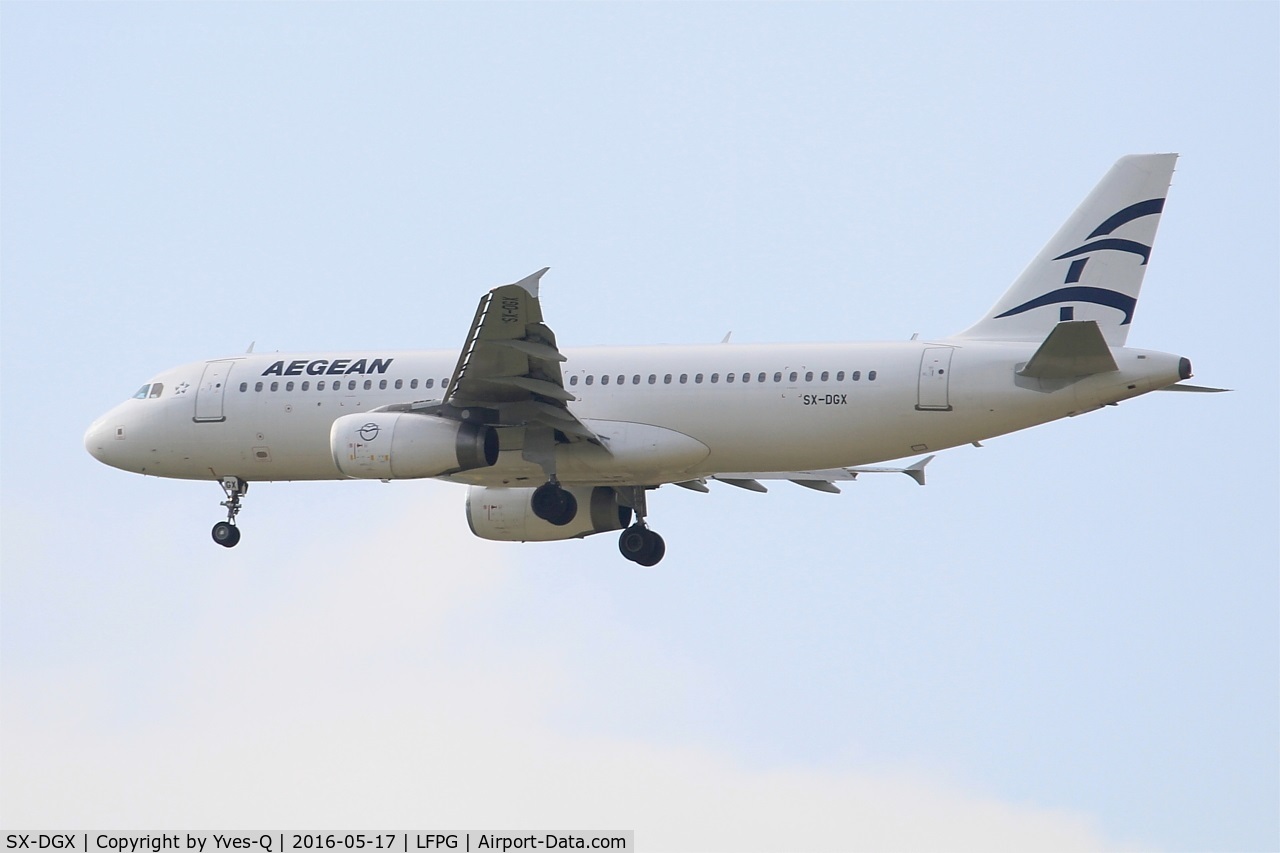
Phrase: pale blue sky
[1069,638]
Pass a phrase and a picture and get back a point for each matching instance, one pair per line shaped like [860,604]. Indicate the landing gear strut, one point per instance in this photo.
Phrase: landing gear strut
[225,533]
[554,504]
[638,543]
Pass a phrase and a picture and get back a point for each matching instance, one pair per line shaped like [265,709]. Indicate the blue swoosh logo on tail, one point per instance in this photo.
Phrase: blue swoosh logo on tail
[1099,295]
[1130,213]
[1140,249]
[1096,295]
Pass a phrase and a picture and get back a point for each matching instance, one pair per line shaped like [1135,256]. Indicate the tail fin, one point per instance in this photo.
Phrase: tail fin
[1092,268]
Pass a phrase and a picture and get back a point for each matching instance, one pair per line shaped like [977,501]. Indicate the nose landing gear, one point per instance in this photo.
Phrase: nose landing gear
[225,533]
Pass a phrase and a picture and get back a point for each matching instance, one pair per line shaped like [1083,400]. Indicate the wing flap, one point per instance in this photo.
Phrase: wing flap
[823,480]
[510,364]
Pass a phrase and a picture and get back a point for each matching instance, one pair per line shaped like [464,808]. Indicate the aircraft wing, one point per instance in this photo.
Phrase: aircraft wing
[510,364]
[823,481]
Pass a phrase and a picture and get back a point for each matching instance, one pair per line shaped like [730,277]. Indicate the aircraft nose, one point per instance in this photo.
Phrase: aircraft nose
[95,439]
[106,439]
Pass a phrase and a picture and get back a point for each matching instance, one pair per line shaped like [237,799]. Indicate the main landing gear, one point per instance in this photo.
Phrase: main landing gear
[554,504]
[225,533]
[641,545]
[638,543]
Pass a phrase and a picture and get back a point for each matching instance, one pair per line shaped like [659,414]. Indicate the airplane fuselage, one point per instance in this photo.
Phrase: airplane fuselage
[693,410]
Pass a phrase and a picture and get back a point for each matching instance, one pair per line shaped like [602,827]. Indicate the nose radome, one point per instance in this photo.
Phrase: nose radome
[95,439]
[106,440]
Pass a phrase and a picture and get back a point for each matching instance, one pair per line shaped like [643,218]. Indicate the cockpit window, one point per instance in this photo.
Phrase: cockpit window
[157,389]
[153,390]
[142,392]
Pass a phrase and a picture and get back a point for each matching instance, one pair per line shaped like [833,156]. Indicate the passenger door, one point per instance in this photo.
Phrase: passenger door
[213,385]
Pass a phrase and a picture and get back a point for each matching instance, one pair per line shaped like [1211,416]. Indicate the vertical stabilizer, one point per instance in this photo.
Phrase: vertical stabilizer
[1092,268]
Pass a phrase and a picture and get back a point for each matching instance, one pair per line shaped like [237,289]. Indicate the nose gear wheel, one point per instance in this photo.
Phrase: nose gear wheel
[225,533]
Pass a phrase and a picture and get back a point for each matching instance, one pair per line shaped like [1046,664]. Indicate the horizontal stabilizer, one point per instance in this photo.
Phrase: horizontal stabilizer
[1073,348]
[1200,389]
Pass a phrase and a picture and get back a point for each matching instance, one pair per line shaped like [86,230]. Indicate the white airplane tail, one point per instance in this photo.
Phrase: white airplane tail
[1092,268]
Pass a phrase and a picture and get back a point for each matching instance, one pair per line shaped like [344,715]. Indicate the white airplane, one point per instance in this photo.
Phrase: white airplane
[559,444]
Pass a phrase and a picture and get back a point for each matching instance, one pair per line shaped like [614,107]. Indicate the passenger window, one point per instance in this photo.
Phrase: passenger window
[728,377]
[444,383]
[697,379]
[622,380]
[590,378]
[257,386]
[413,383]
[142,392]
[746,377]
[382,385]
[777,377]
[288,386]
[666,380]
[808,376]
[429,383]
[760,378]
[244,386]
[573,380]
[306,386]
[604,380]
[715,377]
[825,376]
[794,375]
[653,378]
[320,385]
[635,380]
[856,375]
[399,384]
[840,376]
[871,376]
[684,378]
[351,386]
[275,386]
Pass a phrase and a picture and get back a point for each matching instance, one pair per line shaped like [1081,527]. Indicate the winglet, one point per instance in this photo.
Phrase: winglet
[916,469]
[530,283]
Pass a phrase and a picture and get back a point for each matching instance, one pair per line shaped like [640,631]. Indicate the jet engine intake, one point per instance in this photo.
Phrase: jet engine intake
[404,445]
[506,515]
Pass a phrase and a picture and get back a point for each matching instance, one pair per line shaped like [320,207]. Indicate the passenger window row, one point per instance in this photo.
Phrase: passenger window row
[714,378]
[589,379]
[336,385]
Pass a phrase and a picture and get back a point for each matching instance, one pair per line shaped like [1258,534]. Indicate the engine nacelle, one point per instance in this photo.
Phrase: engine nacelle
[404,445]
[506,515]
